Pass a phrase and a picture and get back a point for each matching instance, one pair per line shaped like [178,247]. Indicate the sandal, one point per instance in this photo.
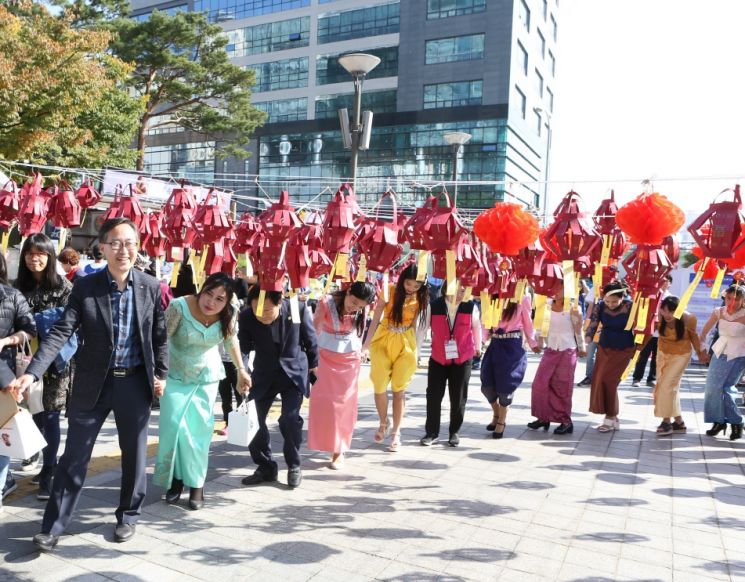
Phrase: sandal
[493,424]
[499,435]
[395,442]
[664,429]
[383,431]
[609,425]
[679,427]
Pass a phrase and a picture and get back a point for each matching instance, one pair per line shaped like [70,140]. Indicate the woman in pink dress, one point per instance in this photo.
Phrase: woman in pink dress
[340,322]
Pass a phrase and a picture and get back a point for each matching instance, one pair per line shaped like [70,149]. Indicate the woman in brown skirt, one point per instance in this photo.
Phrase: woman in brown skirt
[615,350]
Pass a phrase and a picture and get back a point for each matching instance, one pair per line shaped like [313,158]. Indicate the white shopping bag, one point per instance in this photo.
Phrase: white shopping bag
[35,394]
[243,424]
[20,438]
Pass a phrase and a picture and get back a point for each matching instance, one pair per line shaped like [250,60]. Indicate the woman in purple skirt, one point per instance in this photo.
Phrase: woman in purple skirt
[553,384]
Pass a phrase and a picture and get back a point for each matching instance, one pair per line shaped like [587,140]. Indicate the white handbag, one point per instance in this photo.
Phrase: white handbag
[35,394]
[243,424]
[20,438]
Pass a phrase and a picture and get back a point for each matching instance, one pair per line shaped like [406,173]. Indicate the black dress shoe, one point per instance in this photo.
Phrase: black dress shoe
[259,477]
[196,498]
[294,477]
[124,532]
[564,428]
[45,541]
[499,435]
[716,428]
[736,432]
[454,440]
[174,493]
[536,424]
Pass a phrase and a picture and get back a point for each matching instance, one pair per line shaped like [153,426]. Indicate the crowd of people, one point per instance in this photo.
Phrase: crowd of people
[140,345]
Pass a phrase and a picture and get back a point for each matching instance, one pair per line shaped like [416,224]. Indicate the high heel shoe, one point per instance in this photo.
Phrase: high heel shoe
[174,493]
[536,424]
[395,442]
[383,431]
[716,428]
[564,428]
[499,435]
[736,432]
[196,498]
[493,424]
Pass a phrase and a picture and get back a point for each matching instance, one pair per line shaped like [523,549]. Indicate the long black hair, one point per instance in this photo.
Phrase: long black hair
[226,315]
[399,296]
[361,290]
[50,280]
[671,303]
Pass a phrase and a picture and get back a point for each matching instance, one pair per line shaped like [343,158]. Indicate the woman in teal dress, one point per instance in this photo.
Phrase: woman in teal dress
[196,325]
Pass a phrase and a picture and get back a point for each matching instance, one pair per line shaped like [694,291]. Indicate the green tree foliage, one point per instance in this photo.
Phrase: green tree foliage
[184,76]
[62,97]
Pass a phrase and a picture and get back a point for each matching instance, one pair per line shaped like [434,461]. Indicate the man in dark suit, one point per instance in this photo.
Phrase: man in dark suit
[122,364]
[285,354]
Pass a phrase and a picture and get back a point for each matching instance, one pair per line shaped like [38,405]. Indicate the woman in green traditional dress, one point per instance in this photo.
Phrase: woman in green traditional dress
[196,325]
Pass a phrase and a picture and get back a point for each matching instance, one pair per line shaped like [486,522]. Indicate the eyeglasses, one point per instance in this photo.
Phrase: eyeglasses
[116,245]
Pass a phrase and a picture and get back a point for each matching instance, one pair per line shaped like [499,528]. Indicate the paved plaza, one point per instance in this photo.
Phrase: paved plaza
[532,506]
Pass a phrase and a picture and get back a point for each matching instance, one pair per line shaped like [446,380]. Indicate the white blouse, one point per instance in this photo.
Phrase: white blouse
[731,341]
[561,332]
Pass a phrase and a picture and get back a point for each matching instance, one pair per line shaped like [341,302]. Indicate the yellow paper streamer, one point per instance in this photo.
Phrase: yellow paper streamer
[639,338]
[540,312]
[452,286]
[342,269]
[689,292]
[421,266]
[718,283]
[62,240]
[632,314]
[485,309]
[468,295]
[361,269]
[4,243]
[631,366]
[294,307]
[260,303]
[330,278]
[642,312]
[570,289]
[497,309]
[249,265]
[597,282]
[386,285]
[605,254]
[520,290]
[174,273]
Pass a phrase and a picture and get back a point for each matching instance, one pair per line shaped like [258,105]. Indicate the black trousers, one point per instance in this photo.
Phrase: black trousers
[290,425]
[129,398]
[649,349]
[456,376]
[228,387]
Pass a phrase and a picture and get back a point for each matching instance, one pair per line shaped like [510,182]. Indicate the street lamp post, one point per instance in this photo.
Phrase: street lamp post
[358,65]
[541,112]
[456,139]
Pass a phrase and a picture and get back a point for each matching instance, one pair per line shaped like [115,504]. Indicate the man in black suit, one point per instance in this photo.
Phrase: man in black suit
[285,354]
[122,364]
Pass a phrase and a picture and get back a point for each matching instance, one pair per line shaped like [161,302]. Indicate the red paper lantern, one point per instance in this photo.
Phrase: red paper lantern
[505,280]
[572,234]
[246,232]
[380,241]
[550,280]
[87,194]
[445,228]
[210,220]
[34,206]
[125,206]
[467,262]
[156,241]
[649,218]
[299,265]
[340,221]
[229,259]
[417,229]
[605,215]
[672,249]
[178,224]
[279,221]
[9,204]
[650,266]
[718,229]
[270,264]
[528,261]
[64,207]
[506,228]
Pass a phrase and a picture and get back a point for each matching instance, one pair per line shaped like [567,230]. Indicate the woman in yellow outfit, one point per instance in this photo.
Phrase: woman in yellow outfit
[393,353]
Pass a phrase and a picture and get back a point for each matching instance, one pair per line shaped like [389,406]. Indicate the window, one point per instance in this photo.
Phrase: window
[522,102]
[269,37]
[194,161]
[523,15]
[521,58]
[448,8]
[550,98]
[160,124]
[457,94]
[287,74]
[285,109]
[225,10]
[554,29]
[541,41]
[372,21]
[327,106]
[552,63]
[456,48]
[169,11]
[328,69]
[538,83]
